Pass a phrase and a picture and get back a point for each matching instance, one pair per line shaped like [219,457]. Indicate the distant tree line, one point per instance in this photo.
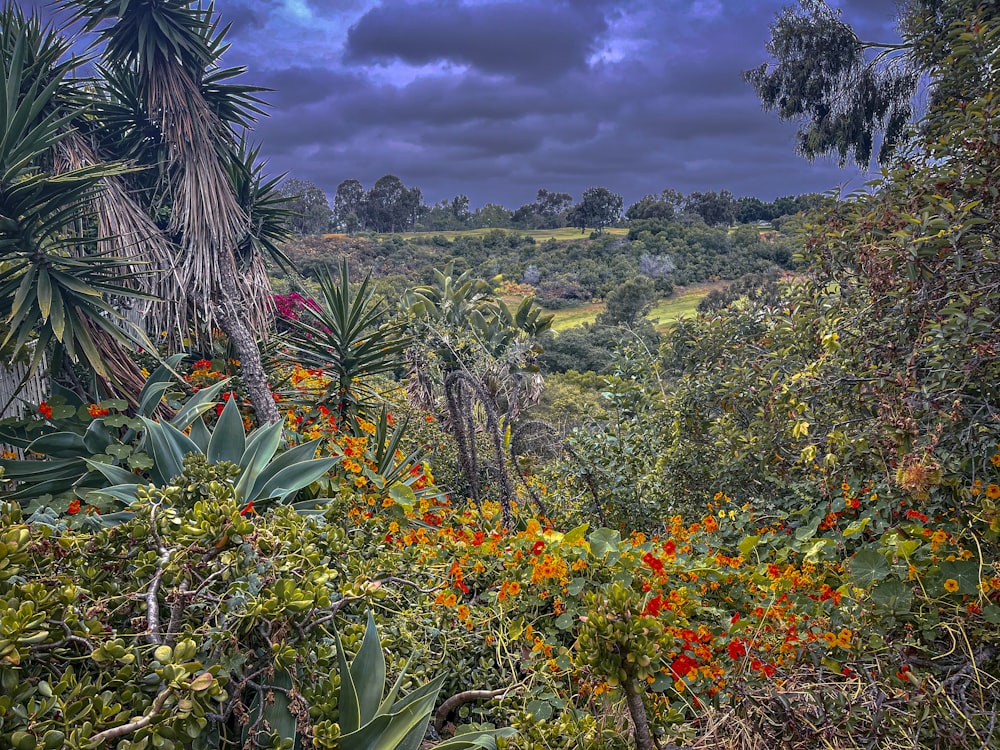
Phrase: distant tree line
[389,207]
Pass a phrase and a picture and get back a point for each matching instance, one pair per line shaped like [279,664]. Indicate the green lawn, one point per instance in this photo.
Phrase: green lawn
[665,312]
[540,235]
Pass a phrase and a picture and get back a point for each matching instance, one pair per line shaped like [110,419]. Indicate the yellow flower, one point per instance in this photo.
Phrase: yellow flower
[951,585]
[992,491]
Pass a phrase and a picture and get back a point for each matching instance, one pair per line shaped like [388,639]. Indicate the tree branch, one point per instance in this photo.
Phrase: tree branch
[466,696]
[134,725]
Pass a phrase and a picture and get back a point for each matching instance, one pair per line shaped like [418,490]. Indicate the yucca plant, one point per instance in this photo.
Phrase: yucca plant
[55,276]
[347,336]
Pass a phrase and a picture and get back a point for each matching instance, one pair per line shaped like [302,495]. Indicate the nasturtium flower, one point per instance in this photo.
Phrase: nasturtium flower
[951,585]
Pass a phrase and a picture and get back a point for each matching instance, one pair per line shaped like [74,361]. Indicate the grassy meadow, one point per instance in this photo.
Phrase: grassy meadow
[665,312]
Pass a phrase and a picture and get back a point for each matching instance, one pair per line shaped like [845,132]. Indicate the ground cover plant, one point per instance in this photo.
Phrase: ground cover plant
[778,529]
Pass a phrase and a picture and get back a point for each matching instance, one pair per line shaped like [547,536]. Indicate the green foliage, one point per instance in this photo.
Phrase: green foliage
[348,336]
[628,302]
[598,208]
[54,281]
[82,447]
[369,720]
[824,77]
[105,460]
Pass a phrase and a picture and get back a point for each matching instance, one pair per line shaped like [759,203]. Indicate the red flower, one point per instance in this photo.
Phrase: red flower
[97,411]
[654,563]
[248,509]
[74,507]
[682,665]
[654,606]
[537,547]
[669,548]
[45,410]
[736,649]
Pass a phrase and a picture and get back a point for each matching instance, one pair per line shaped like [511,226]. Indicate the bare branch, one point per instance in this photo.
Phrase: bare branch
[134,725]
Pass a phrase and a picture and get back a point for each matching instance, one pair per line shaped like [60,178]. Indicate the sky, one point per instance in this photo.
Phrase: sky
[495,99]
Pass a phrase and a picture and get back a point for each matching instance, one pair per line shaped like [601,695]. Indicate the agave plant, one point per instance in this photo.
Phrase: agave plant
[90,462]
[372,718]
[70,444]
[261,474]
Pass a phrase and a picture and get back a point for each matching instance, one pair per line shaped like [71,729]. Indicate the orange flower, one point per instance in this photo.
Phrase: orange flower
[97,411]
[951,585]
[74,507]
[45,410]
[992,491]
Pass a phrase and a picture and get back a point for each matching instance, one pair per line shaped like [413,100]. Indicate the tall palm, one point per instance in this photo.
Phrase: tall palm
[161,58]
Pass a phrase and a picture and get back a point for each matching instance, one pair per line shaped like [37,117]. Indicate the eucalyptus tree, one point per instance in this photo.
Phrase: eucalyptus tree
[849,93]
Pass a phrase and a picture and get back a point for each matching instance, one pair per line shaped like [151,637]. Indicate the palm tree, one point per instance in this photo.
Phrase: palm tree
[472,362]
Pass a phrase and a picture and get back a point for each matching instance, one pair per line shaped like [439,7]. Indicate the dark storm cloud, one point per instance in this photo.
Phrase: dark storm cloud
[495,99]
[525,40]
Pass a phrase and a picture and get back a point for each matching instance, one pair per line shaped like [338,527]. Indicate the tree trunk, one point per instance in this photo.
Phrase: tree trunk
[637,710]
[251,365]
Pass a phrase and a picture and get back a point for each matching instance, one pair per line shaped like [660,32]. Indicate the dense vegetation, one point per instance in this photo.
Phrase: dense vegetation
[777,528]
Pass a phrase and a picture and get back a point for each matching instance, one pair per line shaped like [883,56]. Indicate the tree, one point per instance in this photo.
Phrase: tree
[714,208]
[551,207]
[628,302]
[750,209]
[55,283]
[847,92]
[390,206]
[473,363]
[460,209]
[662,206]
[598,208]
[309,206]
[194,208]
[349,206]
[491,215]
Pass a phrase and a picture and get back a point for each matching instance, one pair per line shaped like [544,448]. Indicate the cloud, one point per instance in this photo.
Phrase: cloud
[522,40]
[497,98]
